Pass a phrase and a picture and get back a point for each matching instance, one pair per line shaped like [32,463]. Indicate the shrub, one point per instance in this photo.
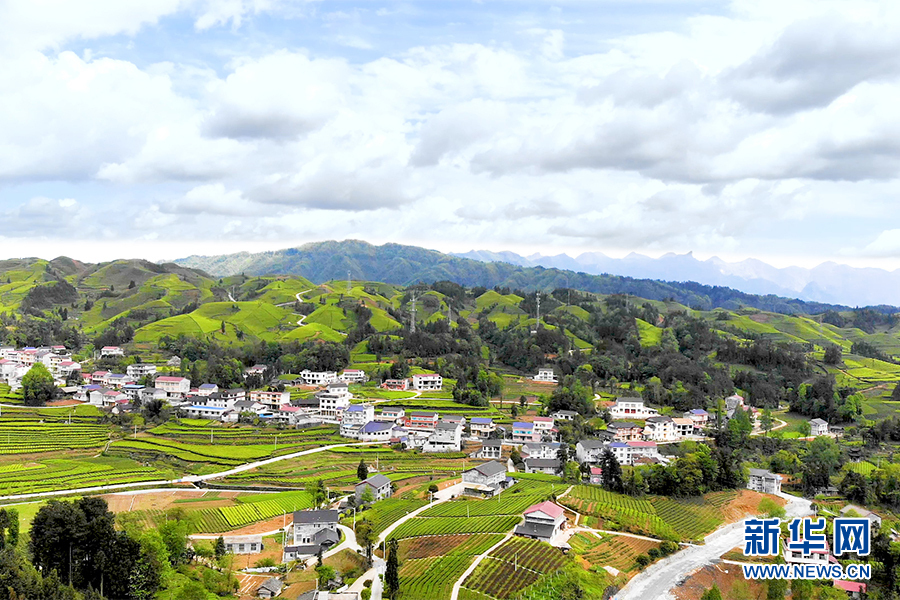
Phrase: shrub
[668,547]
[653,553]
[642,560]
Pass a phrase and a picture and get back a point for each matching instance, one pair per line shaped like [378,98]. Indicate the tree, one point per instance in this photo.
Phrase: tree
[514,411]
[611,476]
[771,509]
[12,531]
[367,497]
[776,589]
[392,570]
[365,537]
[895,395]
[325,574]
[38,386]
[362,471]
[804,428]
[822,460]
[766,420]
[712,593]
[832,354]
[522,401]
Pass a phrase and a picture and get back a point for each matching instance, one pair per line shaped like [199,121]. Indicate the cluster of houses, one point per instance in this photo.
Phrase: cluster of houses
[14,363]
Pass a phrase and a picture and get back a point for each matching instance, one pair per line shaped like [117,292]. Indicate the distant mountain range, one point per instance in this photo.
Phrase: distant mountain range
[404,265]
[829,282]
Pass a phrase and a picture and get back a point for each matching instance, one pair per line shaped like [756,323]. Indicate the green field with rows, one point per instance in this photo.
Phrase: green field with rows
[18,437]
[514,566]
[655,516]
[418,526]
[385,512]
[59,473]
[434,576]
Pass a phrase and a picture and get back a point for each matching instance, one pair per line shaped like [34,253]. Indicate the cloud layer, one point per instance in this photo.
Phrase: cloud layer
[767,128]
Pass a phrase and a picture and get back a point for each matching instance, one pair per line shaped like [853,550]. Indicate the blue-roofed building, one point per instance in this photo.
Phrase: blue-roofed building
[206,389]
[524,432]
[699,416]
[375,431]
[482,427]
[201,411]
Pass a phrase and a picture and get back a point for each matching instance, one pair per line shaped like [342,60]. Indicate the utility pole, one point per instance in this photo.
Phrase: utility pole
[348,283]
[412,326]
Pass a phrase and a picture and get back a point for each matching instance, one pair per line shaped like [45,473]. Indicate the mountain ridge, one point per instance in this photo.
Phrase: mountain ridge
[405,265]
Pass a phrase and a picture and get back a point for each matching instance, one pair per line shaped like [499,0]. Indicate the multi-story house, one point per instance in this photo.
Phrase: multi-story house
[548,466]
[589,451]
[542,521]
[425,421]
[490,449]
[175,387]
[683,427]
[378,483]
[206,389]
[764,481]
[482,427]
[524,432]
[334,400]
[318,377]
[564,415]
[546,376]
[487,479]
[627,453]
[376,431]
[353,376]
[540,449]
[139,370]
[623,431]
[543,426]
[111,351]
[398,385]
[818,427]
[427,382]
[447,437]
[631,408]
[699,416]
[394,414]
[272,399]
[314,530]
[660,429]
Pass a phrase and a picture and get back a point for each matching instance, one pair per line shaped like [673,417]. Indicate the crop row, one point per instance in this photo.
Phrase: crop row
[499,579]
[452,525]
[503,504]
[625,519]
[440,545]
[530,554]
[598,494]
[388,511]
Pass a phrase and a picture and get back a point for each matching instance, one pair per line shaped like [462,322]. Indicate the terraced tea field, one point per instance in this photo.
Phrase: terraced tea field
[514,566]
[57,473]
[433,576]
[418,526]
[617,551]
[28,437]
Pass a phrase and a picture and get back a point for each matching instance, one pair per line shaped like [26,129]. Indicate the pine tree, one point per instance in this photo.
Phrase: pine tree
[362,471]
[896,394]
[392,572]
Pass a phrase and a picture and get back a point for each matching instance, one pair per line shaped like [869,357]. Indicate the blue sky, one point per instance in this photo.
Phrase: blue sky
[170,127]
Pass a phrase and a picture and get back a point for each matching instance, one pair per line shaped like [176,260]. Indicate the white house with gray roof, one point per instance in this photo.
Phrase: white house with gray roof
[378,483]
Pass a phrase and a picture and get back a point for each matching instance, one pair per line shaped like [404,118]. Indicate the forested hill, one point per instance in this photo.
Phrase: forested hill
[404,265]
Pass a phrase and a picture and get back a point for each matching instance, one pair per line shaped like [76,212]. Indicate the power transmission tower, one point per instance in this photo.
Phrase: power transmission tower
[348,283]
[412,325]
[537,323]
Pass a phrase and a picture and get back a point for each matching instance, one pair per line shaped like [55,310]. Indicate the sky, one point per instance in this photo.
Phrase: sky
[163,128]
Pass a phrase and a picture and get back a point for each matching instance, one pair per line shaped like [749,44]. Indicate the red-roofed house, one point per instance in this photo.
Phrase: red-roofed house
[543,426]
[596,474]
[174,387]
[853,588]
[111,351]
[542,521]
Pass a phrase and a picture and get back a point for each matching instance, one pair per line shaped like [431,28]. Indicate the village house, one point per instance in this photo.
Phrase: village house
[818,427]
[206,389]
[628,453]
[482,427]
[542,521]
[854,589]
[564,415]
[540,449]
[425,421]
[151,393]
[623,431]
[334,400]
[393,414]
[398,385]
[313,530]
[548,466]
[271,399]
[118,380]
[375,431]
[427,382]
[683,427]
[174,387]
[524,432]
[111,351]
[202,411]
[255,370]
[660,429]
[378,483]
[699,416]
[595,477]
[543,426]
[318,377]
[764,481]
[589,451]
[270,588]
[485,480]
[863,513]
[490,449]
[546,375]
[353,376]
[243,544]
[139,370]
[447,437]
[631,407]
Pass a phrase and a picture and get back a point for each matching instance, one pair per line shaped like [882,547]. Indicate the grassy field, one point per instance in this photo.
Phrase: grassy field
[48,474]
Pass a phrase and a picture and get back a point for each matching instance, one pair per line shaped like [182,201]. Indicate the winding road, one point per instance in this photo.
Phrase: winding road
[659,579]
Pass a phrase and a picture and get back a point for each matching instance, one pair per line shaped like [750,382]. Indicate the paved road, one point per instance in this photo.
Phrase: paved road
[660,578]
[186,479]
